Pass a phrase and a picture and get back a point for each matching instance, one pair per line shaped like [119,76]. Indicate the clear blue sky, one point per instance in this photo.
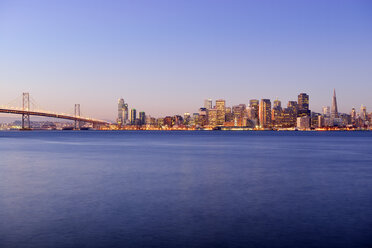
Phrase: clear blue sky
[166,57]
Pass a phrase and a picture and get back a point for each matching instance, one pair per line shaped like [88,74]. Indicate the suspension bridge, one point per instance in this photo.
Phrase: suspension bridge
[29,107]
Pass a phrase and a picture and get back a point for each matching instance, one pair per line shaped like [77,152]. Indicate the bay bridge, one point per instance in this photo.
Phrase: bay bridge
[26,111]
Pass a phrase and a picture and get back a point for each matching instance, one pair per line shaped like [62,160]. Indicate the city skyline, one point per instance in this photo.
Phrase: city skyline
[153,54]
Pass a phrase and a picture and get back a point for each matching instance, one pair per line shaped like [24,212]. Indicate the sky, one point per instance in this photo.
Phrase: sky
[166,57]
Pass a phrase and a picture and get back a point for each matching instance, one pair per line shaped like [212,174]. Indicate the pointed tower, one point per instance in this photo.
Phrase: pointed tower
[334,110]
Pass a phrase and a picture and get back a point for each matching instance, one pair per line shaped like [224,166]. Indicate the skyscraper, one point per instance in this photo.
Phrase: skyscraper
[363,113]
[133,116]
[276,113]
[208,103]
[142,117]
[265,113]
[254,105]
[277,104]
[221,111]
[122,112]
[326,111]
[334,110]
[303,105]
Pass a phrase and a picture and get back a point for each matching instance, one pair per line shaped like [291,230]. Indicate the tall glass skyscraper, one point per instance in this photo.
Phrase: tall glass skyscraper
[122,112]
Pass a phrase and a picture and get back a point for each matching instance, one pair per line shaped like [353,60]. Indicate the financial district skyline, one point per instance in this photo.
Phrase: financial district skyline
[257,114]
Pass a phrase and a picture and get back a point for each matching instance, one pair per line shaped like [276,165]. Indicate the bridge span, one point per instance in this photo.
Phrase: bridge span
[53,115]
[26,112]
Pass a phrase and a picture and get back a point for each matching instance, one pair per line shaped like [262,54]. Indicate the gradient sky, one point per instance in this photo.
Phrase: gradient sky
[166,57]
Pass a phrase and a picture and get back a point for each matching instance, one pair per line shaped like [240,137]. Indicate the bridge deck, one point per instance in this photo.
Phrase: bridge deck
[53,115]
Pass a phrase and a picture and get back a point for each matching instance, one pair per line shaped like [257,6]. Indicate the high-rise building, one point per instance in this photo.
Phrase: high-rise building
[277,104]
[212,117]
[239,113]
[353,115]
[122,112]
[363,113]
[133,116]
[120,118]
[254,105]
[208,103]
[303,105]
[142,118]
[202,117]
[221,110]
[265,113]
[326,111]
[334,110]
[289,115]
[276,114]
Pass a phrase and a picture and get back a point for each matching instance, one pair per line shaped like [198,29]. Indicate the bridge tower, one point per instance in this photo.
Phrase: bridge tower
[77,114]
[26,107]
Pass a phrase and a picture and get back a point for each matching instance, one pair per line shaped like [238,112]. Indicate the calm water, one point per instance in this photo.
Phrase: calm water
[185,189]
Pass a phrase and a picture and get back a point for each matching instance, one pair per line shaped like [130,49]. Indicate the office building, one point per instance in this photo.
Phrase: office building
[142,118]
[133,116]
[303,105]
[208,103]
[326,111]
[265,113]
[221,110]
[254,106]
[212,117]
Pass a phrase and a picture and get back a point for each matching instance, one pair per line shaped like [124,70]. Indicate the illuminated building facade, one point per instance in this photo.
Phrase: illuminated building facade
[142,118]
[221,110]
[303,105]
[122,112]
[208,103]
[254,106]
[133,116]
[212,117]
[265,113]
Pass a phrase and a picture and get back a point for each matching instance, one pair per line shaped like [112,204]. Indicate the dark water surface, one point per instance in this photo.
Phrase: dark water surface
[185,189]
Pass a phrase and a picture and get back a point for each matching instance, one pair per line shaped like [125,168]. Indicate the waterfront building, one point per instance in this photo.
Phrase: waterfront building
[133,116]
[239,113]
[221,110]
[229,116]
[303,122]
[160,122]
[168,121]
[321,122]
[186,118]
[353,115]
[303,105]
[363,113]
[265,113]
[289,115]
[315,119]
[195,118]
[208,103]
[334,110]
[142,118]
[276,115]
[254,106]
[122,112]
[202,117]
[212,117]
